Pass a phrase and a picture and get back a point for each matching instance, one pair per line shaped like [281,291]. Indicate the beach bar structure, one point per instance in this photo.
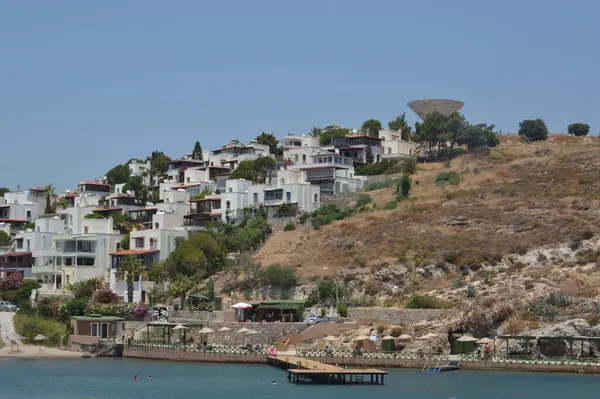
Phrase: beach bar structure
[301,370]
[168,331]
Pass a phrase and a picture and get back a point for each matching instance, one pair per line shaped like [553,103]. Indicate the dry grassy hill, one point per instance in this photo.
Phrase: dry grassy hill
[521,213]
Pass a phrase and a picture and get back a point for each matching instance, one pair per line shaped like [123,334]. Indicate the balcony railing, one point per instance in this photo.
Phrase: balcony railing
[329,176]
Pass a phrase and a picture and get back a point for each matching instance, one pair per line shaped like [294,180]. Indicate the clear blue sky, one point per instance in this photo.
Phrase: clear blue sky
[86,85]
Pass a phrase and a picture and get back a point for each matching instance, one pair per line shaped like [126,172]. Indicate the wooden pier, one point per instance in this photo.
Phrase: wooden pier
[302,370]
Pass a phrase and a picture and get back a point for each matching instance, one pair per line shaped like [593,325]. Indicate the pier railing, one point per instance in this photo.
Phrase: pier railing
[217,349]
[533,360]
[308,353]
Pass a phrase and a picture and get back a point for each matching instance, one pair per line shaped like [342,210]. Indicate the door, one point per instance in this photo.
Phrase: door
[104,330]
[94,329]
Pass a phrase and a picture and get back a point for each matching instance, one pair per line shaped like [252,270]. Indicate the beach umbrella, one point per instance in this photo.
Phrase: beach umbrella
[388,338]
[330,338]
[242,330]
[360,338]
[40,338]
[223,329]
[241,305]
[206,330]
[405,337]
[484,341]
[251,332]
[179,327]
[467,338]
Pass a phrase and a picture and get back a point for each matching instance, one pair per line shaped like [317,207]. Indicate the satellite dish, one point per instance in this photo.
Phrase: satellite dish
[181,190]
[55,218]
[68,191]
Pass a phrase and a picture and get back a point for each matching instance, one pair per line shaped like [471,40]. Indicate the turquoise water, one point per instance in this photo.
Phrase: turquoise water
[113,378]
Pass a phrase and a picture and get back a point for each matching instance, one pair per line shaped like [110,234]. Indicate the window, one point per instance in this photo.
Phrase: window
[230,189]
[156,225]
[288,196]
[85,261]
[255,197]
[28,214]
[118,247]
[153,242]
[389,150]
[70,220]
[188,179]
[139,242]
[273,195]
[303,158]
[94,329]
[228,204]
[68,278]
[85,229]
[282,181]
[316,198]
[104,330]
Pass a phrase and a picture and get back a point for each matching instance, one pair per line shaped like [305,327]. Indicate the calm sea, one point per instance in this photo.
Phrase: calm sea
[113,378]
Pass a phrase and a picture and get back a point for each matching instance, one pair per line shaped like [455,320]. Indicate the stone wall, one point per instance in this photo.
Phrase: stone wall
[185,356]
[397,316]
[196,315]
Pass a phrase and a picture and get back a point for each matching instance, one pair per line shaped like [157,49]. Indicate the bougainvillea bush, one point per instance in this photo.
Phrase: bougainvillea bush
[104,296]
[126,310]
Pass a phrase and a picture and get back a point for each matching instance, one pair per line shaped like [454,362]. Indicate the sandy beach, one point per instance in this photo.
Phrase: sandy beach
[19,350]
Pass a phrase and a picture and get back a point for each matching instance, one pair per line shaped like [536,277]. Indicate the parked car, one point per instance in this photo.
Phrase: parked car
[316,319]
[6,306]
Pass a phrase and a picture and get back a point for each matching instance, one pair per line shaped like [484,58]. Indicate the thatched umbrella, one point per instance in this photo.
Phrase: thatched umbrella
[405,337]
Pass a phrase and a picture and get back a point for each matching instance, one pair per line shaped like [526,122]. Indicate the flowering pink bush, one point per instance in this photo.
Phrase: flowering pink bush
[12,282]
[104,296]
[141,310]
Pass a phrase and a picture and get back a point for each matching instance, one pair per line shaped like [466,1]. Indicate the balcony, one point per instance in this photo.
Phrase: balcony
[321,177]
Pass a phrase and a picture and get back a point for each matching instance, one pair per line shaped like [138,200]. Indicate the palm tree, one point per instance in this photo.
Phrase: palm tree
[50,199]
[131,267]
[315,132]
[180,288]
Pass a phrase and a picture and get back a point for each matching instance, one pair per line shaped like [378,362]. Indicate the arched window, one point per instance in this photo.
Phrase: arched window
[255,197]
[303,158]
[389,150]
[188,179]
[156,225]
[228,204]
[316,197]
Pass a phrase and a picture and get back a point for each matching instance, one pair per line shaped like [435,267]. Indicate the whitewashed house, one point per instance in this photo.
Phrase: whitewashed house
[22,207]
[394,147]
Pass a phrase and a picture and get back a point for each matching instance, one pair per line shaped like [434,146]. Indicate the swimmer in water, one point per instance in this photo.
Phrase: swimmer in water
[273,383]
[136,377]
[149,377]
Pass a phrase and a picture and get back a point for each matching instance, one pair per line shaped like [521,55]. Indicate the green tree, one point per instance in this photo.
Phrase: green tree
[401,124]
[85,288]
[158,162]
[403,188]
[180,288]
[533,130]
[315,132]
[131,267]
[331,133]
[578,129]
[118,175]
[371,127]
[136,184]
[186,260]
[197,153]
[280,276]
[268,139]
[5,239]
[4,190]
[438,134]
[125,241]
[51,198]
[210,289]
[479,135]
[256,170]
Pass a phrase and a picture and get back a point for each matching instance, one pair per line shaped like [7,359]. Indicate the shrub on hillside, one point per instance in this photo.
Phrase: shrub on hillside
[381,184]
[373,169]
[29,325]
[533,130]
[363,200]
[85,289]
[289,226]
[418,301]
[445,178]
[280,276]
[342,310]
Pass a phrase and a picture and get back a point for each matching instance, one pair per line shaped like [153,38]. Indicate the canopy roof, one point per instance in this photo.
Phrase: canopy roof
[282,304]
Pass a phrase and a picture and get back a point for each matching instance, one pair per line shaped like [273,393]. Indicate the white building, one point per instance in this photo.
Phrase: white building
[61,259]
[235,152]
[299,196]
[298,149]
[141,169]
[22,206]
[394,147]
[333,174]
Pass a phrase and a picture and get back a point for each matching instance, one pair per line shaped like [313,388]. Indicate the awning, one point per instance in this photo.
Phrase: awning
[199,295]
[282,305]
